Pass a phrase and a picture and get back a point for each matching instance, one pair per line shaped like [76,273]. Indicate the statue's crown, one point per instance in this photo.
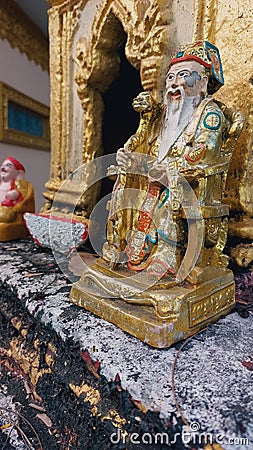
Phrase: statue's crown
[208,56]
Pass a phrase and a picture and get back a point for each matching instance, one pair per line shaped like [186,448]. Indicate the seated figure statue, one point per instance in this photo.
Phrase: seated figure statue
[163,274]
[16,198]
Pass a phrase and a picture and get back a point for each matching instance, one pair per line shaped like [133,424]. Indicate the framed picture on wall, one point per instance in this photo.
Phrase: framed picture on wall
[23,120]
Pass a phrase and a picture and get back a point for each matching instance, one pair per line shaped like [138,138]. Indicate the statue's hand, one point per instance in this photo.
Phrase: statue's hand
[12,195]
[124,158]
[157,173]
[112,171]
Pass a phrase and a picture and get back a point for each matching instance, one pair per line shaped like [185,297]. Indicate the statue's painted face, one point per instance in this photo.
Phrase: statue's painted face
[8,171]
[188,75]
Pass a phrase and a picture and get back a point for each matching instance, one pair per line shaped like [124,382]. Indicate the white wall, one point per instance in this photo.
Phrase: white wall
[29,78]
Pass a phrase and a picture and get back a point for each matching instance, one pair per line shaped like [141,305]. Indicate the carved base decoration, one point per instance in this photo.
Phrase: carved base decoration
[159,317]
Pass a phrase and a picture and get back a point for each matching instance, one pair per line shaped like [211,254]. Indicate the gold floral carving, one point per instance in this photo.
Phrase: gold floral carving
[202,309]
[22,33]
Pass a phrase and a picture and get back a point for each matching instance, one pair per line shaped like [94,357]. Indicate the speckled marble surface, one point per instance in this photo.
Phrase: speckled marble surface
[213,388]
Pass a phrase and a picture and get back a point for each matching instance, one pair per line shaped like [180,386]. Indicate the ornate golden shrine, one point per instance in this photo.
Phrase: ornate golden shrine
[85,36]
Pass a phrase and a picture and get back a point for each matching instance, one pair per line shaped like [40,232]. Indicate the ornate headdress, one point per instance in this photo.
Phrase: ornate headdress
[208,56]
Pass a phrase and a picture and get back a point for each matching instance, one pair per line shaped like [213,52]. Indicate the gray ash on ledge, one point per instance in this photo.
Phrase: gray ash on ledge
[213,375]
[74,424]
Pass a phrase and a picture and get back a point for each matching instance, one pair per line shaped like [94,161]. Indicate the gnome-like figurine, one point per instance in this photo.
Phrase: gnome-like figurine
[16,198]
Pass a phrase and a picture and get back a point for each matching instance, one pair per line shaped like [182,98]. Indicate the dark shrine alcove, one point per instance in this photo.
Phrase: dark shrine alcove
[120,120]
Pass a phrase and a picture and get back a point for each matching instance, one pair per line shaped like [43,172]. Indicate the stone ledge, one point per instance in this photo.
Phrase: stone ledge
[211,383]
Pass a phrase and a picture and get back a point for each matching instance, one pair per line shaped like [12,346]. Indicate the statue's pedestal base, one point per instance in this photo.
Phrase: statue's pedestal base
[189,309]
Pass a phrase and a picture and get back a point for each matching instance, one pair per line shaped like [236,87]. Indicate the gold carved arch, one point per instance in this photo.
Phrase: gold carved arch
[146,29]
[146,24]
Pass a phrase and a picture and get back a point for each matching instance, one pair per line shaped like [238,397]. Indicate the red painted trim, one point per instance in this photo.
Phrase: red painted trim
[62,219]
[190,58]
[201,155]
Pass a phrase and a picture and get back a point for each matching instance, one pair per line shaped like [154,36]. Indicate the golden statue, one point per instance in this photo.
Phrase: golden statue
[163,275]
[16,198]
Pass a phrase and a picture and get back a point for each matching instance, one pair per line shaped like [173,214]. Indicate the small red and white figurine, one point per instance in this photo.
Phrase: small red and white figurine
[11,170]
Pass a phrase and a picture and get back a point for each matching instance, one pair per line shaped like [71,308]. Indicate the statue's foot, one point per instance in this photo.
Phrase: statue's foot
[160,269]
[110,254]
[138,267]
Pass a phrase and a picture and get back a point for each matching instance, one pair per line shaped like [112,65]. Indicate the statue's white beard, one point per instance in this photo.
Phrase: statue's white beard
[178,115]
